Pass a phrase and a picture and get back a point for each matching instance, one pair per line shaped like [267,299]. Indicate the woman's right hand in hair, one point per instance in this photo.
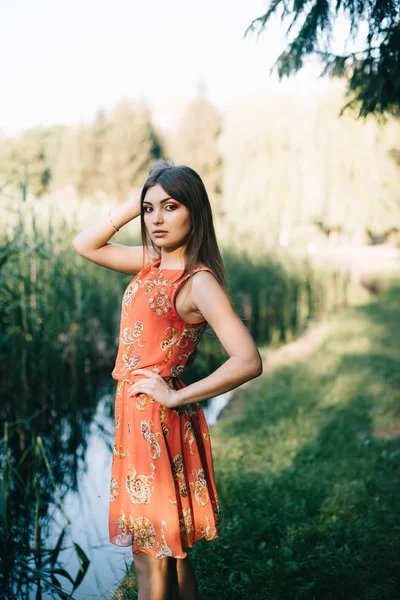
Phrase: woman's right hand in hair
[94,245]
[133,204]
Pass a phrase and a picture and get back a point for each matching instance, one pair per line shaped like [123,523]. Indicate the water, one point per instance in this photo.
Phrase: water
[215,406]
[87,509]
[87,512]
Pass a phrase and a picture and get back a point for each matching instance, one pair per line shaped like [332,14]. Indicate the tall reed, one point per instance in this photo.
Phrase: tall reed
[26,489]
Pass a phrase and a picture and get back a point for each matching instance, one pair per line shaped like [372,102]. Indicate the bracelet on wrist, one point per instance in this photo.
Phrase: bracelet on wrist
[116,229]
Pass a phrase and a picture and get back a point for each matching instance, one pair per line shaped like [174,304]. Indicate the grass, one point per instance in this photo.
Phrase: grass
[307,483]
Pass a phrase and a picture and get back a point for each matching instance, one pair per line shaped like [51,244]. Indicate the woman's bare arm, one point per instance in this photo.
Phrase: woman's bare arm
[244,362]
[93,242]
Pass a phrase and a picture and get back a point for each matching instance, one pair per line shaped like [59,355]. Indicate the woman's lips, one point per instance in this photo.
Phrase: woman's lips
[159,233]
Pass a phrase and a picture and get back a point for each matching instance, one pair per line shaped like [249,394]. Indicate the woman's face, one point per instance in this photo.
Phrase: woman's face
[164,213]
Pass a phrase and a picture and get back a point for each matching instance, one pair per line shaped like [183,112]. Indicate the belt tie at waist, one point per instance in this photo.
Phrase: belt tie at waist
[172,379]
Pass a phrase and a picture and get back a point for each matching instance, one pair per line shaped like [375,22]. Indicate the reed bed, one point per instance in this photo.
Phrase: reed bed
[27,563]
[60,312]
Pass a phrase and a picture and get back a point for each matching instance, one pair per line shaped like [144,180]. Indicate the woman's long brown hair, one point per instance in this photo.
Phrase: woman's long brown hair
[186,186]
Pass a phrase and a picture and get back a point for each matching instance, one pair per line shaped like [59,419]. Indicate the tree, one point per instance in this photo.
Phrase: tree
[291,164]
[111,155]
[26,161]
[72,159]
[131,146]
[196,143]
[94,174]
[372,73]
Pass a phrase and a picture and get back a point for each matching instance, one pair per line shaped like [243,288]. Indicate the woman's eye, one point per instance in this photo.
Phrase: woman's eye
[147,209]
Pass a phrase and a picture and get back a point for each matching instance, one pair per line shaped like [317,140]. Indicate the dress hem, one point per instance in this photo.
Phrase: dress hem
[146,551]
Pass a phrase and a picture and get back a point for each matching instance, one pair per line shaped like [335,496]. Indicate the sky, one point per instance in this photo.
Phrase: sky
[63,60]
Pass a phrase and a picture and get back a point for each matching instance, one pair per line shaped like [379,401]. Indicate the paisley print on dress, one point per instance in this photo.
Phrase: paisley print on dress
[151,438]
[177,370]
[130,362]
[186,522]
[164,426]
[120,451]
[144,532]
[160,302]
[191,333]
[209,532]
[141,401]
[199,485]
[170,340]
[130,335]
[163,495]
[140,487]
[114,489]
[125,523]
[188,436]
[163,548]
[129,294]
[179,475]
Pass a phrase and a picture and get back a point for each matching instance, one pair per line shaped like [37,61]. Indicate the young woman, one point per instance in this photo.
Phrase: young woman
[163,496]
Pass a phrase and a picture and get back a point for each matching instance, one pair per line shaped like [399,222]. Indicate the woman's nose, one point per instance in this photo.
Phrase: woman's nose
[157,217]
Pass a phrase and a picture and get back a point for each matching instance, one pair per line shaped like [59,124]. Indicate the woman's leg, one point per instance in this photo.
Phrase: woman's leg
[186,579]
[157,577]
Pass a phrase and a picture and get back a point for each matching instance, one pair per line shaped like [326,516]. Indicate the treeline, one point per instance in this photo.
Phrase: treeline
[282,169]
[112,155]
[294,169]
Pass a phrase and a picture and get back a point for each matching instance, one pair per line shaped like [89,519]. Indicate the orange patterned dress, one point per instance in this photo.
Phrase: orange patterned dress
[163,496]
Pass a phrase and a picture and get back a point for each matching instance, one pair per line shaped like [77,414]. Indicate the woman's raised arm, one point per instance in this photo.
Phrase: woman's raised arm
[93,242]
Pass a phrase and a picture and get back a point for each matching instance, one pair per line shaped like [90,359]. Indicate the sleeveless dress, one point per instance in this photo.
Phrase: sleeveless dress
[163,496]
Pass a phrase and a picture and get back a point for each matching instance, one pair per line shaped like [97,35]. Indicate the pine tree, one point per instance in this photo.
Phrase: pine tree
[372,73]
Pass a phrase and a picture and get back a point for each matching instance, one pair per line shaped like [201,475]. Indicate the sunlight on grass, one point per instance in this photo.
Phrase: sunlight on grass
[308,495]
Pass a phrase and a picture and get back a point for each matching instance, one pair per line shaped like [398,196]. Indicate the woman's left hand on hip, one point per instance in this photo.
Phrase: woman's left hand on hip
[155,386]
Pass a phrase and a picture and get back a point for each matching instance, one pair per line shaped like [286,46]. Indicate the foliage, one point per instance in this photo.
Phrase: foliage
[280,169]
[22,512]
[196,143]
[27,161]
[372,73]
[52,308]
[57,338]
[60,311]
[289,162]
[111,156]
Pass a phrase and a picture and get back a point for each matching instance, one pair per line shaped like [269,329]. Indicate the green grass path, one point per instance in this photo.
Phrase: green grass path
[309,492]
